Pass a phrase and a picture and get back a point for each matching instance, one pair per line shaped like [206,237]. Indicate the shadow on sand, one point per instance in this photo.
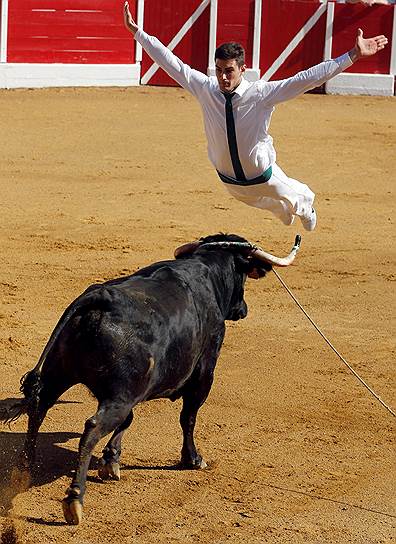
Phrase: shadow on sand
[53,461]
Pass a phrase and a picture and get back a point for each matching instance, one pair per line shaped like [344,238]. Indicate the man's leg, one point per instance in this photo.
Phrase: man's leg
[279,208]
[283,196]
[297,196]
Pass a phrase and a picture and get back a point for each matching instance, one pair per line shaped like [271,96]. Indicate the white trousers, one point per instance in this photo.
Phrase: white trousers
[283,196]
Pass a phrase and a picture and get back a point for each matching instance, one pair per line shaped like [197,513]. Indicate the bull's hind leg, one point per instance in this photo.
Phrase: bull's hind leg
[40,397]
[21,475]
[109,468]
[110,415]
[37,411]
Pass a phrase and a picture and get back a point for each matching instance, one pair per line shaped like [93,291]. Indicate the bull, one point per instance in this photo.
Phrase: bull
[154,334]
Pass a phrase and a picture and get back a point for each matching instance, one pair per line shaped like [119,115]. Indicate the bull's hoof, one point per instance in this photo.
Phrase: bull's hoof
[200,464]
[195,464]
[72,510]
[109,471]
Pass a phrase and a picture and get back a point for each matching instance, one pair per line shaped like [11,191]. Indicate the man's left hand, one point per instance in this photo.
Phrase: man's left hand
[366,47]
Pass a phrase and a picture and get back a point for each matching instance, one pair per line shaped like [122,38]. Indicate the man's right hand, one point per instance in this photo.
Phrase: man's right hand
[128,20]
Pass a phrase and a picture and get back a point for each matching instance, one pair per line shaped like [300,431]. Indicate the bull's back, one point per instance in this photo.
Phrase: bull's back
[142,336]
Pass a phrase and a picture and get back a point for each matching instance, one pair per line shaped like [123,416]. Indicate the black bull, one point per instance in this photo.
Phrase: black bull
[154,334]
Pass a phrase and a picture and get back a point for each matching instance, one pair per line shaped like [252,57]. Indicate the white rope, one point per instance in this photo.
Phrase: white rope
[332,347]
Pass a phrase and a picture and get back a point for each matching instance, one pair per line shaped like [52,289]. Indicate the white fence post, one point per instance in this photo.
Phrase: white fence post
[3,30]
[393,52]
[140,22]
[329,32]
[212,37]
[257,37]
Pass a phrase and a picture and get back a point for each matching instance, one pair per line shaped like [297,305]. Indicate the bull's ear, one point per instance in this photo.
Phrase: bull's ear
[252,267]
[256,273]
[186,249]
[258,269]
[243,263]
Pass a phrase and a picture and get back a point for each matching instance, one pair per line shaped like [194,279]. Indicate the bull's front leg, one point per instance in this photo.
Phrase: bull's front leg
[195,392]
[194,396]
[190,458]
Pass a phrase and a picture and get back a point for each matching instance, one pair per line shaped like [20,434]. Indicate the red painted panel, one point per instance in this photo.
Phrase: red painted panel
[54,19]
[86,5]
[235,23]
[68,31]
[90,30]
[70,57]
[281,21]
[164,20]
[373,21]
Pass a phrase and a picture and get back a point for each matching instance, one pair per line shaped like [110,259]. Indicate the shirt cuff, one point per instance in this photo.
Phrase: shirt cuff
[138,34]
[345,61]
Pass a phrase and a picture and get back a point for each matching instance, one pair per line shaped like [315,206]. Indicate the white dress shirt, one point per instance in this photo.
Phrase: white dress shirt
[253,105]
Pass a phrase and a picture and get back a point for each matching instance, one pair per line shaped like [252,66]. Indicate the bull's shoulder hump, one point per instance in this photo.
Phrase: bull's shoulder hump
[170,270]
[97,295]
[172,274]
[164,278]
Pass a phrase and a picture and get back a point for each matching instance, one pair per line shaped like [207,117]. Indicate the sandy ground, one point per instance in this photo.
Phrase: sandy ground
[95,183]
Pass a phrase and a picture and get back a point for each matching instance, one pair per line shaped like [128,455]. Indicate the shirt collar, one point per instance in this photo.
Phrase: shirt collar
[242,87]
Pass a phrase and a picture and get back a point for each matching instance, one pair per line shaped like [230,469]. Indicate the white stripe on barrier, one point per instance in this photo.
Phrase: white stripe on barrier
[140,22]
[3,30]
[393,52]
[363,84]
[294,43]
[212,35]
[32,75]
[172,44]
[257,36]
[329,32]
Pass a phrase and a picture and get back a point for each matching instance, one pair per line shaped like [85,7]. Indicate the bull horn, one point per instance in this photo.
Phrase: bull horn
[186,248]
[262,255]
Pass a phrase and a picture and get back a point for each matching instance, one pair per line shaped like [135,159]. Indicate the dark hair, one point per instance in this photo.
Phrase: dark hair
[231,50]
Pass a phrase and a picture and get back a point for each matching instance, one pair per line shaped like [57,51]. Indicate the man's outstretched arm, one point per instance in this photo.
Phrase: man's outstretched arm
[128,20]
[286,89]
[192,80]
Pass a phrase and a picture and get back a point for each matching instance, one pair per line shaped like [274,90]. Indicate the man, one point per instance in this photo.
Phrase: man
[237,115]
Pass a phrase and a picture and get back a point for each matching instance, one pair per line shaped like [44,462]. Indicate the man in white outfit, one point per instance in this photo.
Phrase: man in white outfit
[237,115]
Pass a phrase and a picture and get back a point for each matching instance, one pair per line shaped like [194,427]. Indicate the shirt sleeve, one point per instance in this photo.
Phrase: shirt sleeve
[190,79]
[285,89]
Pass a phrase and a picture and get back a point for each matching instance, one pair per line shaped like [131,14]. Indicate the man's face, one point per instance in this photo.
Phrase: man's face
[228,74]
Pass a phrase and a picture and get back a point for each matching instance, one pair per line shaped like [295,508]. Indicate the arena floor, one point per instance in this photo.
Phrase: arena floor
[95,183]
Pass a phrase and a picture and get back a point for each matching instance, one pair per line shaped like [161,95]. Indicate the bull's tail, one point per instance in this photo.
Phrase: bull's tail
[31,386]
[31,382]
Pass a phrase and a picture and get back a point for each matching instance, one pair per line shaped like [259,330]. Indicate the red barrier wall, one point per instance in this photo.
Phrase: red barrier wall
[68,31]
[281,21]
[235,23]
[374,21]
[77,32]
